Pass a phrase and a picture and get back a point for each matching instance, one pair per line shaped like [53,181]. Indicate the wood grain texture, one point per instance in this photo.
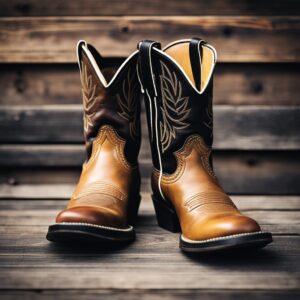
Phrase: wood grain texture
[31,262]
[55,196]
[256,157]
[239,172]
[154,7]
[238,39]
[28,261]
[285,223]
[235,84]
[177,294]
[171,270]
[245,127]
[160,276]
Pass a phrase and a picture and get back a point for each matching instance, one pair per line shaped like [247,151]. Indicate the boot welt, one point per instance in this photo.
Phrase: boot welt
[91,233]
[251,240]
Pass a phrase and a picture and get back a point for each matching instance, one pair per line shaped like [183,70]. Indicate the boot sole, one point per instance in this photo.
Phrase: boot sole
[167,219]
[252,240]
[90,233]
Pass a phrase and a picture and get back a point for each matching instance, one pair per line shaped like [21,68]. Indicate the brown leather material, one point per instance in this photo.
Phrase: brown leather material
[109,185]
[106,184]
[204,210]
[183,178]
[117,105]
[181,54]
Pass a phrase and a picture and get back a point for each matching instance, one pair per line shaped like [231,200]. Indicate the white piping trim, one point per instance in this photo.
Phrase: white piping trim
[139,79]
[95,66]
[220,238]
[95,225]
[97,69]
[211,48]
[158,150]
[186,41]
[151,122]
[200,60]
[77,53]
[152,75]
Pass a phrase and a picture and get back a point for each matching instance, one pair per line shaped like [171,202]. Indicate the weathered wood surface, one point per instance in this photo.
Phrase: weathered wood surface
[54,196]
[257,148]
[241,39]
[156,7]
[270,211]
[235,84]
[241,172]
[245,127]
[179,294]
[152,262]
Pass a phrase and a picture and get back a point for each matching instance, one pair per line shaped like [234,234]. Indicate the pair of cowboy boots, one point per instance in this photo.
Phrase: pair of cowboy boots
[176,83]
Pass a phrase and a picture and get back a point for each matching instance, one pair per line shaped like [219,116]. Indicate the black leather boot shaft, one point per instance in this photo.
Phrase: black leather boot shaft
[175,108]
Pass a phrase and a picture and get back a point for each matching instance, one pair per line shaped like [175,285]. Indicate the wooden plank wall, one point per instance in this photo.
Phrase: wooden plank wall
[257,105]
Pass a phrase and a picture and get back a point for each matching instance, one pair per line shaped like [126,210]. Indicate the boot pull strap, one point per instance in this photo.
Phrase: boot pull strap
[145,65]
[196,54]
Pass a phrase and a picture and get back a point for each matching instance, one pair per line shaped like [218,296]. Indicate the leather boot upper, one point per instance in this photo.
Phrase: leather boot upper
[180,119]
[109,183]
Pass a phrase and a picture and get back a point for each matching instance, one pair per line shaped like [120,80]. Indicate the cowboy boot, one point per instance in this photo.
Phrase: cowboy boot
[177,86]
[105,202]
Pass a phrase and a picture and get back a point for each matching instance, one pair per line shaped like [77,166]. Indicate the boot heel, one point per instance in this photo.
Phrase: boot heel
[165,215]
[133,209]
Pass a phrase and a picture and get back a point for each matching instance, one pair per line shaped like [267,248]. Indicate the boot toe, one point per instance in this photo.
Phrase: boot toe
[91,215]
[222,226]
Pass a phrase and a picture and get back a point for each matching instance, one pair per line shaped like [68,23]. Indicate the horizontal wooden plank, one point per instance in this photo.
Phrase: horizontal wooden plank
[156,7]
[36,197]
[245,127]
[238,84]
[269,210]
[45,217]
[177,294]
[279,219]
[153,261]
[238,39]
[169,278]
[240,172]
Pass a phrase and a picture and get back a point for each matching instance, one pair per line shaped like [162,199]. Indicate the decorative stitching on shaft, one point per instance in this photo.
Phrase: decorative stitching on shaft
[128,101]
[191,143]
[107,132]
[174,107]
[89,97]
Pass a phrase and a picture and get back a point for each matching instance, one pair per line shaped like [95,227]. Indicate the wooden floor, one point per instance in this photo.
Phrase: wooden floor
[256,147]
[150,268]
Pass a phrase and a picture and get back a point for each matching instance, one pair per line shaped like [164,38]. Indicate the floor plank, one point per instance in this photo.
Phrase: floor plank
[122,294]
[52,196]
[152,263]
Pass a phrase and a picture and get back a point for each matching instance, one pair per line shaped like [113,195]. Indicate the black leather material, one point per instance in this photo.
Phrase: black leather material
[198,111]
[106,110]
[145,65]
[145,69]
[196,53]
